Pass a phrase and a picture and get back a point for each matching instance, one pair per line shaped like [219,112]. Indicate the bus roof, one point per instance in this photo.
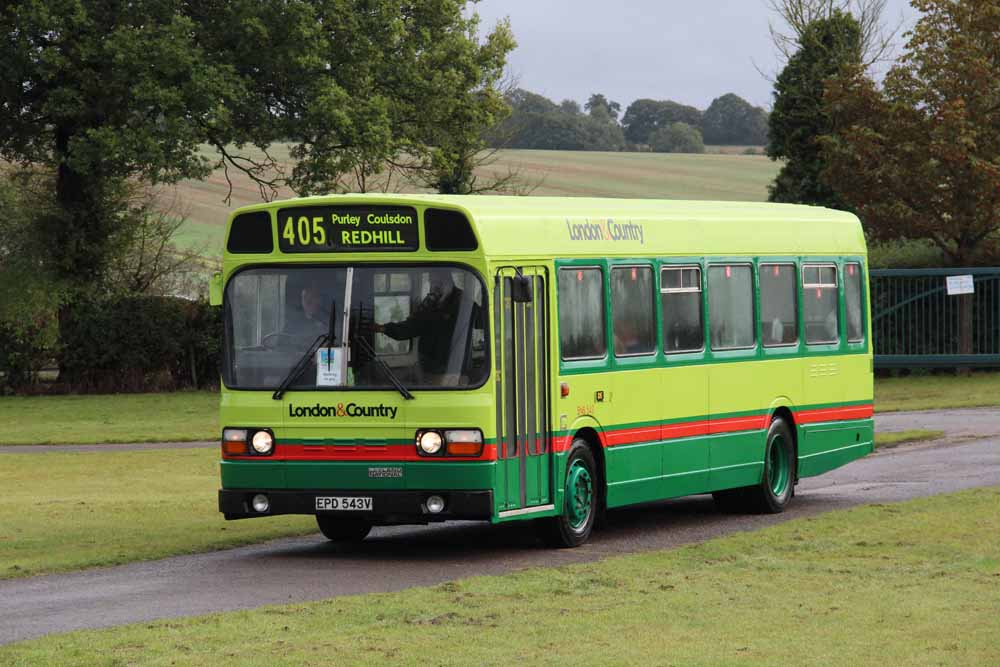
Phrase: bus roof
[524,227]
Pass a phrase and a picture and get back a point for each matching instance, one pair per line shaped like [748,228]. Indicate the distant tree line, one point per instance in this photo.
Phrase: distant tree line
[647,124]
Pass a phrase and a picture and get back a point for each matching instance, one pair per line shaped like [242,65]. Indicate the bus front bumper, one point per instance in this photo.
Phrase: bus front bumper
[387,507]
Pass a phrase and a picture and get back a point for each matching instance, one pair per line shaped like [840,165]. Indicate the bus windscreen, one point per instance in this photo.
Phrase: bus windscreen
[425,324]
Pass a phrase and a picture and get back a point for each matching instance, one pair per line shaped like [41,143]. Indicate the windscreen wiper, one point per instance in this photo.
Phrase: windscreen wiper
[393,378]
[303,362]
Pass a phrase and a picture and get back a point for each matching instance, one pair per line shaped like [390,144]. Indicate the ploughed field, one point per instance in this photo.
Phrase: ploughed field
[713,176]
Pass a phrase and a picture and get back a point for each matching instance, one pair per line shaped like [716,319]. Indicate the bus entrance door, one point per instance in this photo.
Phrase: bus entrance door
[521,334]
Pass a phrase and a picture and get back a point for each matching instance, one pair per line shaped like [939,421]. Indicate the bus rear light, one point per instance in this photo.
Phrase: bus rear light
[234,448]
[234,442]
[464,442]
[465,448]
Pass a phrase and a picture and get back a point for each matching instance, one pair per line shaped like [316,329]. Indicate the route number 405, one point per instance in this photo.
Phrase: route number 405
[304,231]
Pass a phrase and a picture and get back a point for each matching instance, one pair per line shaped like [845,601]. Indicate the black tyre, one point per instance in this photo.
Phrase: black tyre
[342,529]
[777,484]
[580,500]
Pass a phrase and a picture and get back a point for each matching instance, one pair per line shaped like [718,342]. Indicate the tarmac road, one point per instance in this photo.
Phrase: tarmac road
[391,559]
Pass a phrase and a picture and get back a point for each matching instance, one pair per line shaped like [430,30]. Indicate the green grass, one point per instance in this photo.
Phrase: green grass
[933,392]
[910,584]
[183,415]
[76,510]
[895,438]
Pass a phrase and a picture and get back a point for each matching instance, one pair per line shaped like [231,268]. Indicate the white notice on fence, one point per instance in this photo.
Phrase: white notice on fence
[330,363]
[960,285]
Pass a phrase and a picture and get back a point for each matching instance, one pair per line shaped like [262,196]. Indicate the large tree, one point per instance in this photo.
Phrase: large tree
[731,120]
[103,92]
[919,158]
[644,116]
[800,115]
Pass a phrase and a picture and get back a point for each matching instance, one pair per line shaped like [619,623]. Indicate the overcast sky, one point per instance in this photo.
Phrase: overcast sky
[689,52]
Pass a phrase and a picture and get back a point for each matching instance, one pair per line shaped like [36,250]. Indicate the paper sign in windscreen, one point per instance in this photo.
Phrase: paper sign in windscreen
[330,363]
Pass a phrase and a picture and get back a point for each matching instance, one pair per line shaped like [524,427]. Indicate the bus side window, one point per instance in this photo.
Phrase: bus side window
[680,301]
[633,316]
[730,306]
[581,313]
[778,305]
[819,294]
[852,295]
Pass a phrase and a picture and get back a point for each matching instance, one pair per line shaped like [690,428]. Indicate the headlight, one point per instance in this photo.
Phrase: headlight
[262,443]
[430,442]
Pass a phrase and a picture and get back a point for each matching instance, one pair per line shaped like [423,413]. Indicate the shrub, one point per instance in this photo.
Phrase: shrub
[132,344]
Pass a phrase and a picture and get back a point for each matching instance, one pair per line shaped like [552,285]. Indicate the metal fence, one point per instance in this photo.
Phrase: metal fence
[917,321]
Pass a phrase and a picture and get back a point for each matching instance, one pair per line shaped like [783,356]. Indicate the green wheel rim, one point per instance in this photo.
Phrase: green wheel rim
[579,494]
[778,468]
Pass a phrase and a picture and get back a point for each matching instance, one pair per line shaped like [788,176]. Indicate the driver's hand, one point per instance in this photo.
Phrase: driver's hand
[379,328]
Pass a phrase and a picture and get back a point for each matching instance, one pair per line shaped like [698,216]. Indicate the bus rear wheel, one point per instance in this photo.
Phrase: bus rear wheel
[777,484]
[339,529]
[574,524]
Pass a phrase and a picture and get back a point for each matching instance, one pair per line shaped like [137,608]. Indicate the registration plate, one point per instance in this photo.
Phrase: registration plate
[358,503]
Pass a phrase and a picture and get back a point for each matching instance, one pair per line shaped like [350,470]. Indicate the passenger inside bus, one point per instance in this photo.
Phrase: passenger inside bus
[433,322]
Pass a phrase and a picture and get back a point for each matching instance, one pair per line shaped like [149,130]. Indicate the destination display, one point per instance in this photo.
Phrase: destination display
[347,229]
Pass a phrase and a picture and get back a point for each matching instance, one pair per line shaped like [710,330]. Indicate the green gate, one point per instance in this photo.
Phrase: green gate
[917,323]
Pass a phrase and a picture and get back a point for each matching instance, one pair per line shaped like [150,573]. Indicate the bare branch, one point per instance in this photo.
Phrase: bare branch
[878,39]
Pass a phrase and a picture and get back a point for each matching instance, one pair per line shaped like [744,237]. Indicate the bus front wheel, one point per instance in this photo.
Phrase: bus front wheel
[338,529]
[574,524]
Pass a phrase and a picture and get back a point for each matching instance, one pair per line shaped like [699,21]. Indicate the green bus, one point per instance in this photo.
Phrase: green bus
[406,359]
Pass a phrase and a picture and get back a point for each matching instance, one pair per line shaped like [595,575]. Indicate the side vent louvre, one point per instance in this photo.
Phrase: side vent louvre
[251,233]
[448,230]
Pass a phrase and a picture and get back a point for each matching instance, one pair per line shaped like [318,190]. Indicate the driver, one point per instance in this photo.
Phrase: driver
[313,319]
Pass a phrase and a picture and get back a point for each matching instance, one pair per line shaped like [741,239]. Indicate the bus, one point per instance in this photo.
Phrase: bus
[408,359]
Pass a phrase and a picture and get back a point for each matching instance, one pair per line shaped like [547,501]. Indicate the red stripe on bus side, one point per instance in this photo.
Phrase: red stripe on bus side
[689,429]
[835,414]
[735,424]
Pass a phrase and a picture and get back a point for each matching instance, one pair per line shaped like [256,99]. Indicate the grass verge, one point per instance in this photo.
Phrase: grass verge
[916,583]
[933,392]
[168,417]
[71,511]
[895,438]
